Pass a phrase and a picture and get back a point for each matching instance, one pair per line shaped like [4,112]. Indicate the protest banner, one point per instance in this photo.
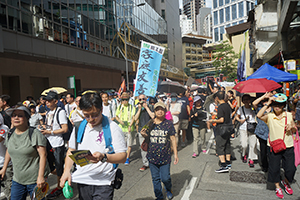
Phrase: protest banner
[148,69]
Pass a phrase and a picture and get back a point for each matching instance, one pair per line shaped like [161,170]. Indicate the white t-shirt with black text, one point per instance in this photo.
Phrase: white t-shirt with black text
[248,112]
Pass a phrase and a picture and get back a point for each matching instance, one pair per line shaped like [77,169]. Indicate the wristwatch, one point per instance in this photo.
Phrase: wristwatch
[104,159]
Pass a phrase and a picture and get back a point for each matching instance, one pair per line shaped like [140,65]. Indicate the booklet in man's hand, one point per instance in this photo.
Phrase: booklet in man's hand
[79,157]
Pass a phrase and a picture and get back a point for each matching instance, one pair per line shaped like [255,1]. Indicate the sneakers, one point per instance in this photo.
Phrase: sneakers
[55,194]
[143,168]
[194,155]
[279,193]
[127,162]
[204,151]
[222,170]
[244,159]
[251,163]
[169,195]
[228,166]
[287,188]
[182,144]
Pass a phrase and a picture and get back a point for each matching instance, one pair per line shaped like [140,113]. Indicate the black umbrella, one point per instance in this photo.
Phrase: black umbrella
[169,87]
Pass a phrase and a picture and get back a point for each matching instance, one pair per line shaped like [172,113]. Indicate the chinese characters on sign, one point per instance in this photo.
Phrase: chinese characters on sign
[148,69]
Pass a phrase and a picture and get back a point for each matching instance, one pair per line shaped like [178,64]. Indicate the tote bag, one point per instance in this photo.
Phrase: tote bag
[297,148]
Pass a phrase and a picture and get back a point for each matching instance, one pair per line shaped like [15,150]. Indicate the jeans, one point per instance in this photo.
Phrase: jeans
[59,155]
[160,173]
[19,191]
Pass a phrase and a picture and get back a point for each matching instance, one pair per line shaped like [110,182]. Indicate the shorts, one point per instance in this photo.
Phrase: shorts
[183,124]
[223,146]
[129,138]
[59,155]
[87,192]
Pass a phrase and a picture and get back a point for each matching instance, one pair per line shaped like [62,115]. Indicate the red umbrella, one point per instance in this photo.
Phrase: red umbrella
[256,86]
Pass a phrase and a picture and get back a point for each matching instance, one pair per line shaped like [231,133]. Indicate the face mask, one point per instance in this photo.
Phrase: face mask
[173,99]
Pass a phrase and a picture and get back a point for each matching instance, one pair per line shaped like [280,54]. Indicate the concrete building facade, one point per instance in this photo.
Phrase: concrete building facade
[44,42]
[186,25]
[204,22]
[191,10]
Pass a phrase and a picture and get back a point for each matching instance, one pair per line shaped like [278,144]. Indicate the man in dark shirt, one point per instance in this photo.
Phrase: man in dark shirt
[184,115]
[144,113]
[223,142]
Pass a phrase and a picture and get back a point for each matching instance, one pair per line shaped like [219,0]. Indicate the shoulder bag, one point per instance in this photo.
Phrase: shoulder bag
[251,126]
[225,129]
[278,145]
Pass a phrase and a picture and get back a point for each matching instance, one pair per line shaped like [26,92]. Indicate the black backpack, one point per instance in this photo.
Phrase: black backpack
[66,136]
[50,155]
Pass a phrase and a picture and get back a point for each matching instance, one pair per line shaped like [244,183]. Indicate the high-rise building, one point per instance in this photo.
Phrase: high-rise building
[169,10]
[228,13]
[186,25]
[204,22]
[191,10]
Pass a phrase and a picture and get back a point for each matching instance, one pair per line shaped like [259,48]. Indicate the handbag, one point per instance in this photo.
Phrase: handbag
[145,144]
[251,126]
[168,116]
[225,129]
[278,145]
[297,148]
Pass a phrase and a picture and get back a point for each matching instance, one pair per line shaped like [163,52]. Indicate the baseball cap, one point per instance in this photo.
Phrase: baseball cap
[51,95]
[173,95]
[11,110]
[160,104]
[31,105]
[197,98]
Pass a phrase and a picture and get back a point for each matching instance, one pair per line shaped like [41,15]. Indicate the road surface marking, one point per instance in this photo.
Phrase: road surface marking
[189,189]
[211,140]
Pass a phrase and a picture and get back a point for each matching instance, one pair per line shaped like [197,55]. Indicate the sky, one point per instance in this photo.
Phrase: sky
[208,3]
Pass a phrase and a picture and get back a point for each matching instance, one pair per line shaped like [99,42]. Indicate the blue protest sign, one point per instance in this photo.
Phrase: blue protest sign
[148,69]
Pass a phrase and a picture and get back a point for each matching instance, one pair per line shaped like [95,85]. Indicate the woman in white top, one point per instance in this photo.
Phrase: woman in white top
[175,109]
[245,115]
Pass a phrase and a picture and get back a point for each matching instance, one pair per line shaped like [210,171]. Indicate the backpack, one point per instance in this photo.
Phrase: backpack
[66,136]
[50,155]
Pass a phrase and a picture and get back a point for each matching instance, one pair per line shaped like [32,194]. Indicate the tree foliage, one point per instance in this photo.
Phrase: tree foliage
[226,60]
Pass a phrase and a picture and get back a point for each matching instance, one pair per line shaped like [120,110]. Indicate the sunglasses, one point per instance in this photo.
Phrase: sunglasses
[142,99]
[17,115]
[125,99]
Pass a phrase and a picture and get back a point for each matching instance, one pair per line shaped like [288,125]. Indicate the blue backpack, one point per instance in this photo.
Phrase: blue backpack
[106,132]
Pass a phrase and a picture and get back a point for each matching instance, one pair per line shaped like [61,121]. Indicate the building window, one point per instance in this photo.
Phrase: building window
[248,7]
[252,6]
[163,13]
[222,31]
[227,1]
[233,12]
[215,2]
[216,32]
[227,13]
[221,2]
[235,23]
[215,17]
[241,9]
[187,44]
[163,1]
[242,21]
[228,25]
[221,15]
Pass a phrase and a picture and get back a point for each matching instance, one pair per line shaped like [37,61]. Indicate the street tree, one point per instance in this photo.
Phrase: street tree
[225,60]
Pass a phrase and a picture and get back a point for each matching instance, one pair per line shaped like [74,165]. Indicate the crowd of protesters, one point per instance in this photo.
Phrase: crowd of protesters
[34,139]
